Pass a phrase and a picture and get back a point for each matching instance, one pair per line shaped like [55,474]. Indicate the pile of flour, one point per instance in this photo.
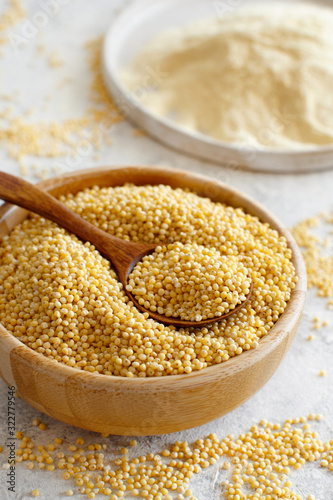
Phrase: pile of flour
[261,75]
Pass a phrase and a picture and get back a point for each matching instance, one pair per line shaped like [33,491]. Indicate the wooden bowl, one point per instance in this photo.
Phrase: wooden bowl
[148,406]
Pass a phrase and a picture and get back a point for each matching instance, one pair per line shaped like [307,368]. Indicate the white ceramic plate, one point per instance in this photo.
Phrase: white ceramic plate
[141,21]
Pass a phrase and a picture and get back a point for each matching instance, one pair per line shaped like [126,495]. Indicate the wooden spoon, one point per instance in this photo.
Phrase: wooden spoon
[123,255]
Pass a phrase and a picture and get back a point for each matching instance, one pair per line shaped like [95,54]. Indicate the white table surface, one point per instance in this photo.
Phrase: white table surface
[295,389]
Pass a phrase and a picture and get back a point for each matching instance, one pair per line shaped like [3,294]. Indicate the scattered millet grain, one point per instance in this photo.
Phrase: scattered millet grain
[55,60]
[61,298]
[104,110]
[24,138]
[190,282]
[318,259]
[260,463]
[318,324]
[11,16]
[35,493]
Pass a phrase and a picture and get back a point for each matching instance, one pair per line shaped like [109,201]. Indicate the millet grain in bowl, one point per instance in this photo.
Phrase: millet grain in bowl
[61,298]
[190,282]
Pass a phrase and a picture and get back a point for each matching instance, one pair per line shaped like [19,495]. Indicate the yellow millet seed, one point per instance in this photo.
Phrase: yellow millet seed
[190,282]
[260,460]
[318,261]
[35,493]
[61,298]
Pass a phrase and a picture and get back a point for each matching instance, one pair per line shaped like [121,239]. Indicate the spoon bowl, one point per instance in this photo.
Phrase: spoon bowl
[171,321]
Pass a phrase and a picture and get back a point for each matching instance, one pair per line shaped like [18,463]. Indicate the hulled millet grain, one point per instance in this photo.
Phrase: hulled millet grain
[62,299]
[190,282]
[318,256]
[259,464]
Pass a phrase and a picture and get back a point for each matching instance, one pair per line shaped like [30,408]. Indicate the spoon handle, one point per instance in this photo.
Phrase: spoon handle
[20,192]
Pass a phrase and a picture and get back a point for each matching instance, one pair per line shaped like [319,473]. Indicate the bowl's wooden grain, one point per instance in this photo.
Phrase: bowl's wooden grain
[148,406]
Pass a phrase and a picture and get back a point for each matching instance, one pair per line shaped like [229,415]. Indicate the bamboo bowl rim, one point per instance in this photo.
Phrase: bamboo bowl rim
[177,178]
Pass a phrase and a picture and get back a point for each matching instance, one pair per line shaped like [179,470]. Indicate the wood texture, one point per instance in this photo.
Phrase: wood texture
[148,406]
